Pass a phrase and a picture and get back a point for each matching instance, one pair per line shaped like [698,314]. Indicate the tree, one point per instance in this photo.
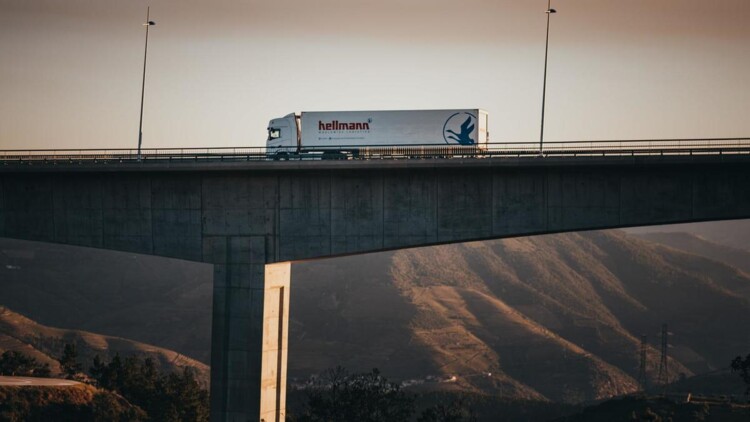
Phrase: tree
[743,367]
[169,397]
[338,396]
[456,411]
[97,369]
[183,399]
[15,363]
[106,407]
[107,375]
[68,361]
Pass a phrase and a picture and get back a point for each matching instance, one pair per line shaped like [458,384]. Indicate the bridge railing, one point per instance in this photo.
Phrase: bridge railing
[499,149]
[626,147]
[125,154]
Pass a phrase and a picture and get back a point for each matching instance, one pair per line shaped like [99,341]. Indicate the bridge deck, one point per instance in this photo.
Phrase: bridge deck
[497,153]
[230,163]
[494,154]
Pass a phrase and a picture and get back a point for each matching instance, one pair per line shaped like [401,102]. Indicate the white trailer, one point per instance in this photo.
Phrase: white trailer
[351,133]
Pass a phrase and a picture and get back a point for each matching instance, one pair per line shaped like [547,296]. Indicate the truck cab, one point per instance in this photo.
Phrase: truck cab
[283,137]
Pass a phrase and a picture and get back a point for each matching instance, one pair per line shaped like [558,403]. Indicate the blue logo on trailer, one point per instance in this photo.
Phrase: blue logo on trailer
[458,128]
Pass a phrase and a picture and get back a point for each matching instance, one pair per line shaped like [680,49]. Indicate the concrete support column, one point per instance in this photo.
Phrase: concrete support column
[244,286]
[249,349]
[275,342]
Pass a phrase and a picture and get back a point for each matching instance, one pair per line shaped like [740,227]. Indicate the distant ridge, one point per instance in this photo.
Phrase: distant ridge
[698,245]
[19,333]
[155,300]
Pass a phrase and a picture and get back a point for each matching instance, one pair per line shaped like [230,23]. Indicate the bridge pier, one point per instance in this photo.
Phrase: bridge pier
[249,330]
[275,340]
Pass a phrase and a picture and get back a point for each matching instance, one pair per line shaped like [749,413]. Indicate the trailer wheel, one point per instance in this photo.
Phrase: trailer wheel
[333,155]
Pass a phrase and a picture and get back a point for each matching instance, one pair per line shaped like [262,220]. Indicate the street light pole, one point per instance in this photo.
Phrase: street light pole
[148,24]
[544,86]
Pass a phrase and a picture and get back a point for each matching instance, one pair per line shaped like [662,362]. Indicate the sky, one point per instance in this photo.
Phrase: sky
[70,70]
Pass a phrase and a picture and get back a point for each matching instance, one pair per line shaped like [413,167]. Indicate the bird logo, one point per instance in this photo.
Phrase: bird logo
[465,123]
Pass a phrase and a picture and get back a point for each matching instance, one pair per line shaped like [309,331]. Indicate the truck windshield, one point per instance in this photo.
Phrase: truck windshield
[273,133]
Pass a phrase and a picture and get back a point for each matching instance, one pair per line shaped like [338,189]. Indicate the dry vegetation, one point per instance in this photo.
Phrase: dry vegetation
[46,344]
[550,317]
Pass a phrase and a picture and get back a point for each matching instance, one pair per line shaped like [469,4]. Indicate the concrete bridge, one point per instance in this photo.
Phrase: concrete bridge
[251,219]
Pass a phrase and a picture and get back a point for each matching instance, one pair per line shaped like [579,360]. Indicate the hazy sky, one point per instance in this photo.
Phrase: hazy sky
[70,70]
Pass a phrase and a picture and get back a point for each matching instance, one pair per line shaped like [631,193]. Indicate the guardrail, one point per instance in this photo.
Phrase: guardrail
[709,146]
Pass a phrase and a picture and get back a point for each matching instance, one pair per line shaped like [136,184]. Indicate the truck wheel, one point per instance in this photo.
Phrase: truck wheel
[281,156]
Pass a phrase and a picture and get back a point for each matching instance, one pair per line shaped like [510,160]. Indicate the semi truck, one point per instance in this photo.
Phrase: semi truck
[345,134]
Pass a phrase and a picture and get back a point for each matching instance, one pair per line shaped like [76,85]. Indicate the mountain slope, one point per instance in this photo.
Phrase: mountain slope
[155,300]
[732,233]
[18,333]
[697,245]
[556,317]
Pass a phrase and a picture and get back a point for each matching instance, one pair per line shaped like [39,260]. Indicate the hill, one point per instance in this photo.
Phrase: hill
[76,403]
[45,344]
[732,233]
[154,300]
[720,383]
[549,317]
[697,245]
[660,409]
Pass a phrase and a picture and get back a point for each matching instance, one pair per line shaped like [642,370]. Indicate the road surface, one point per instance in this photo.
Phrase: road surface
[31,382]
